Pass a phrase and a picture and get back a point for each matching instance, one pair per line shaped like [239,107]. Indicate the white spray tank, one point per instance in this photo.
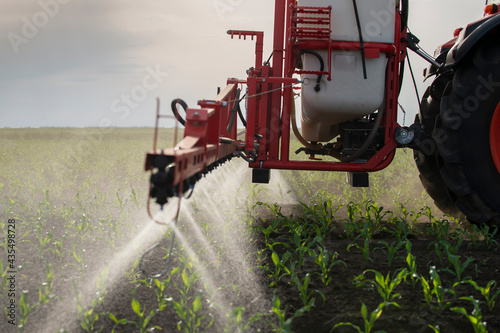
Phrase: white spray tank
[348,95]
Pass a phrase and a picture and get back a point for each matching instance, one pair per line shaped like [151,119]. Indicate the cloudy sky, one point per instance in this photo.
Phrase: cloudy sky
[103,62]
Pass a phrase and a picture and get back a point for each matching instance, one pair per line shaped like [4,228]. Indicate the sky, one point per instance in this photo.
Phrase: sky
[81,63]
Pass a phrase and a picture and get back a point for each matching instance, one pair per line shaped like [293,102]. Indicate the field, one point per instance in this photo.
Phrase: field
[306,253]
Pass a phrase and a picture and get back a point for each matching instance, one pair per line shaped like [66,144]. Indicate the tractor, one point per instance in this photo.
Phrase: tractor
[345,59]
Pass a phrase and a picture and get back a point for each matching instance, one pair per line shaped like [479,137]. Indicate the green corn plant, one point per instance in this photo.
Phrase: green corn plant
[160,286]
[412,264]
[488,292]
[368,321]
[269,230]
[117,321]
[374,216]
[80,259]
[435,329]
[351,227]
[390,250]
[190,316]
[438,290]
[427,290]
[284,324]
[440,248]
[44,296]
[475,318]
[326,261]
[188,312]
[280,267]
[144,319]
[440,229]
[365,249]
[235,321]
[305,294]
[24,310]
[459,267]
[385,286]
[489,236]
[402,230]
[87,316]
[305,247]
[453,249]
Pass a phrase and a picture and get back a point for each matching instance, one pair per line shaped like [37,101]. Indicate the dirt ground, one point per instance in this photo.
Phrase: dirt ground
[343,299]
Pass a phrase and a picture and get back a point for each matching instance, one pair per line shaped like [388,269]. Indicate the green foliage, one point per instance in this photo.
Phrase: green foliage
[475,318]
[385,286]
[369,322]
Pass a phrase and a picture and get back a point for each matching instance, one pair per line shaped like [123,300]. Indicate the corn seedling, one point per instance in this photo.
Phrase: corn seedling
[368,321]
[87,316]
[188,312]
[144,319]
[385,286]
[459,267]
[305,295]
[44,296]
[159,286]
[280,267]
[365,249]
[435,329]
[235,320]
[438,290]
[489,235]
[326,261]
[412,264]
[475,318]
[488,292]
[190,317]
[390,250]
[284,324]
[402,230]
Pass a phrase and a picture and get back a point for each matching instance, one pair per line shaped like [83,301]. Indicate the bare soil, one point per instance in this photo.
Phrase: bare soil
[343,299]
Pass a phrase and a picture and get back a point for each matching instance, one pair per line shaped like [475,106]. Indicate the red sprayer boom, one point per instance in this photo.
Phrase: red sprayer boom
[302,37]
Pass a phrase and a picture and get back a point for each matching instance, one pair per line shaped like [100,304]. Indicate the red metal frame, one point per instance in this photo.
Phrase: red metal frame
[270,89]
[396,53]
[495,137]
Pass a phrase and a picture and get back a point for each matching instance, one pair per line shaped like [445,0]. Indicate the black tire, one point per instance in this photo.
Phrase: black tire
[462,134]
[427,162]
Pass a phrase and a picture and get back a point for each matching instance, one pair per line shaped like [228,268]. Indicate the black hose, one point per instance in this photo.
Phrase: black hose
[361,43]
[317,88]
[243,121]
[405,9]
[176,113]
[404,24]
[234,110]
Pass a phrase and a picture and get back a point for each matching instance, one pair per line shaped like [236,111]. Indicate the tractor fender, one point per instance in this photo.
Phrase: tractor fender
[469,37]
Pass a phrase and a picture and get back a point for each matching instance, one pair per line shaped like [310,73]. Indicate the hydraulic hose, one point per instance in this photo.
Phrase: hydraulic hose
[297,133]
[176,113]
[317,88]
[234,111]
[361,42]
[371,137]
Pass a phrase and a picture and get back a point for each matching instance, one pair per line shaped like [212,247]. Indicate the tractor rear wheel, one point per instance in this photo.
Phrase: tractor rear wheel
[427,163]
[468,132]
